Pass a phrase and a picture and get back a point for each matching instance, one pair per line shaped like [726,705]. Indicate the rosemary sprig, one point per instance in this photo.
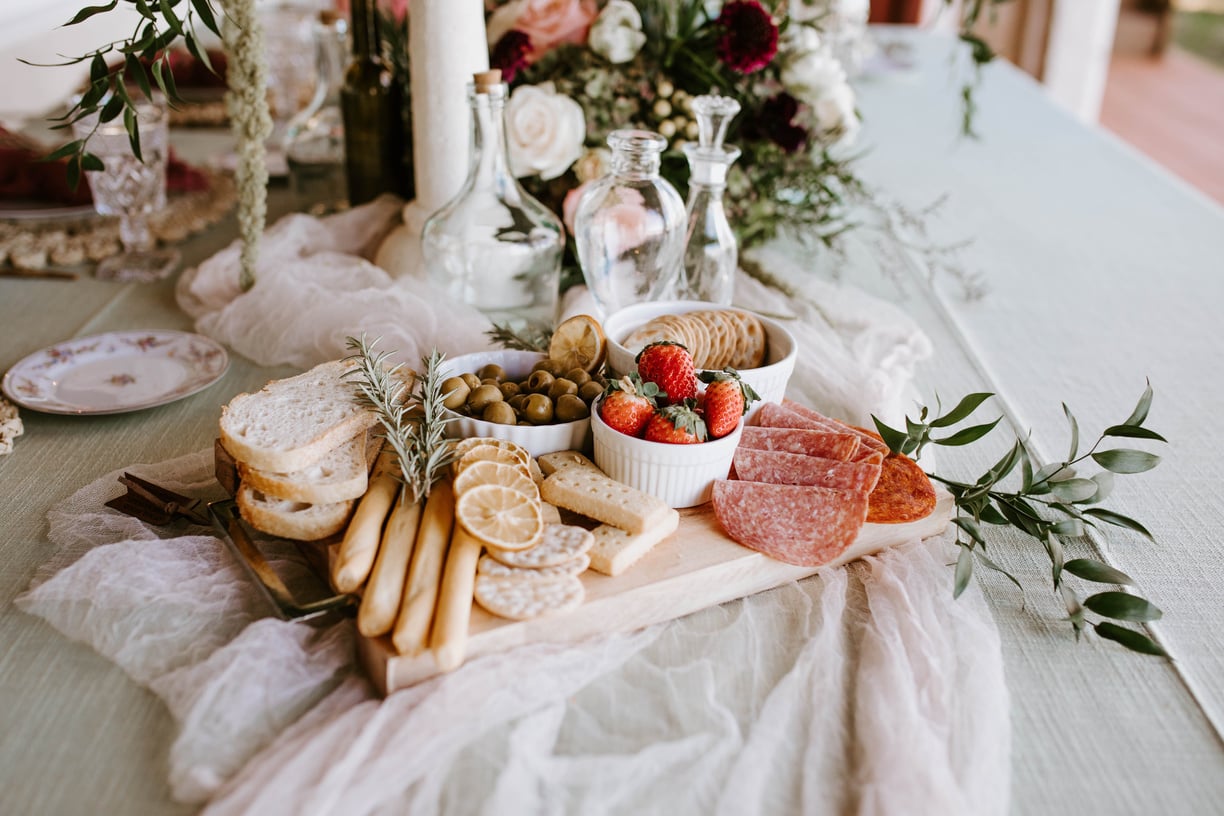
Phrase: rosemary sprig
[1053,504]
[531,338]
[413,423]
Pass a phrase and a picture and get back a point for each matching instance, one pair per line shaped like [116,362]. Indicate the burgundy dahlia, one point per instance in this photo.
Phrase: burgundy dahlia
[748,38]
[511,54]
[777,122]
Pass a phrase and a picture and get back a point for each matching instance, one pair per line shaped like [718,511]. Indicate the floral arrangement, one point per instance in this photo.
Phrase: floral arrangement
[581,69]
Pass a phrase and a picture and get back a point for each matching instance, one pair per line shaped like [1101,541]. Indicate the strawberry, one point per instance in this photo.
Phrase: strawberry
[670,366]
[628,404]
[676,425]
[727,398]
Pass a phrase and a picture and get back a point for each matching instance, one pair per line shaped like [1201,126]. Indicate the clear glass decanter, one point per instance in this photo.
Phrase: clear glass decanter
[629,226]
[710,249]
[494,246]
[314,139]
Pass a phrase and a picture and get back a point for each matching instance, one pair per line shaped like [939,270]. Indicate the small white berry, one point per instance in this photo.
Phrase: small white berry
[667,129]
[662,109]
[665,89]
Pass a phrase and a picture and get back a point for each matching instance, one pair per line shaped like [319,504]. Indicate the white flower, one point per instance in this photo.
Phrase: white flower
[616,35]
[594,164]
[809,75]
[544,131]
[835,116]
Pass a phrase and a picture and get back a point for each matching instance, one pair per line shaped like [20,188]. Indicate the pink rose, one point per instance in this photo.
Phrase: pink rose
[570,206]
[624,223]
[548,23]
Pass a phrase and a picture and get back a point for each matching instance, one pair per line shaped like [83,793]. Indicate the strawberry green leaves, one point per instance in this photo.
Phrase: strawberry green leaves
[1056,504]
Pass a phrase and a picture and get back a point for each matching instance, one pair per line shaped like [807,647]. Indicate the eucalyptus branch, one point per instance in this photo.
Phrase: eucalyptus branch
[1054,489]
[980,52]
[530,338]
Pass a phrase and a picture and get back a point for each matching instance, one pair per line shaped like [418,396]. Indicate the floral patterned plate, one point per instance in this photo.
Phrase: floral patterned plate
[116,372]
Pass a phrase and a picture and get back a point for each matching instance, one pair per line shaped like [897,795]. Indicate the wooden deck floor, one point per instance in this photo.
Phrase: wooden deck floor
[1172,109]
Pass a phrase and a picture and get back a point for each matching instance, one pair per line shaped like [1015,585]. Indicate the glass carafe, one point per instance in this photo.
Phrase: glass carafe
[314,140]
[494,246]
[710,249]
[629,226]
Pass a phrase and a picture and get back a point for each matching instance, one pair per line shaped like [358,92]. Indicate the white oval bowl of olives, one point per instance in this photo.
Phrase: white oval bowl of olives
[520,396]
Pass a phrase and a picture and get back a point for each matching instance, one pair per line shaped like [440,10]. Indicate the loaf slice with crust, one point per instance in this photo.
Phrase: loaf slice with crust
[291,424]
[299,521]
[342,473]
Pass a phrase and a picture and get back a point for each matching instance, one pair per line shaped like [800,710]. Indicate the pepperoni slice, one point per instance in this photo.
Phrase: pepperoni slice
[839,446]
[780,467]
[904,493]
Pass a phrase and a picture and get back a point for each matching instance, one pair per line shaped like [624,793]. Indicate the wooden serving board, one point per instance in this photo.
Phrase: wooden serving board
[696,567]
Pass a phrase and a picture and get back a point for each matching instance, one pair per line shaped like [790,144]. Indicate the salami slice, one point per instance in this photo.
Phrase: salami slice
[806,526]
[780,467]
[904,493]
[868,438]
[839,446]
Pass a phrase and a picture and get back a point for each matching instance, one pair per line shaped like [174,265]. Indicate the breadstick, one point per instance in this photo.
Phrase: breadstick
[450,631]
[360,544]
[376,615]
[421,594]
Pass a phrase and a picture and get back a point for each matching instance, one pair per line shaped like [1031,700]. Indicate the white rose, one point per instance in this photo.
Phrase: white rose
[810,75]
[806,11]
[594,164]
[544,131]
[835,115]
[616,35]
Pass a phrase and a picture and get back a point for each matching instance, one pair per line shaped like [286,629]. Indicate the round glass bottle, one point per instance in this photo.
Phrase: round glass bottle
[314,140]
[629,226]
[494,246]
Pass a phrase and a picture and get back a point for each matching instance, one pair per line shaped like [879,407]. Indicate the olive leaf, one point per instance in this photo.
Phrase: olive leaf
[1135,641]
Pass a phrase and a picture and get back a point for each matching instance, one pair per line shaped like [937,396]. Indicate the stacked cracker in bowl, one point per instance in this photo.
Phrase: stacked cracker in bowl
[303,451]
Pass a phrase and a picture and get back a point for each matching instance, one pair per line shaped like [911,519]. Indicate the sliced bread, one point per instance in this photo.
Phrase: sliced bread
[341,474]
[291,424]
[299,521]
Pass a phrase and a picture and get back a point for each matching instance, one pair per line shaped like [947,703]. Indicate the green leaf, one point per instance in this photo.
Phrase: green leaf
[1074,490]
[1133,432]
[111,109]
[97,69]
[204,9]
[89,11]
[135,70]
[1141,409]
[1091,570]
[1105,485]
[992,516]
[893,438]
[74,171]
[964,408]
[1026,469]
[64,150]
[964,571]
[91,162]
[172,19]
[133,131]
[1118,520]
[970,526]
[1135,641]
[199,53]
[1054,548]
[992,565]
[1073,528]
[1126,460]
[967,435]
[1001,468]
[1122,606]
[1074,432]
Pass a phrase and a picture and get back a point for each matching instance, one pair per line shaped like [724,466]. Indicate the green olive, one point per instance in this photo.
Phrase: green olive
[492,371]
[571,408]
[562,386]
[590,391]
[553,367]
[473,382]
[539,382]
[456,391]
[518,401]
[480,398]
[500,413]
[509,389]
[578,376]
[538,410]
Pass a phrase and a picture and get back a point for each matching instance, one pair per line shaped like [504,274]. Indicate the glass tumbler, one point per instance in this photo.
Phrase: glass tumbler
[629,226]
[131,189]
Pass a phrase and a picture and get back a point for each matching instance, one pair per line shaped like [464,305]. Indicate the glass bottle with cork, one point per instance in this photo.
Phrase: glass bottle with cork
[372,103]
[493,246]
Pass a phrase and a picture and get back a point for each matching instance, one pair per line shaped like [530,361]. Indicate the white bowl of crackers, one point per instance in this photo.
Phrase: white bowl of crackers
[680,475]
[538,439]
[761,349]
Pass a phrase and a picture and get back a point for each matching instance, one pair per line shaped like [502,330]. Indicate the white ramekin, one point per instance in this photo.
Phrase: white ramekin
[769,380]
[681,475]
[537,439]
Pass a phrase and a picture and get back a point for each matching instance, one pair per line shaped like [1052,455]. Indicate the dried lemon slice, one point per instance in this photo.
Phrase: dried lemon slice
[499,516]
[487,471]
[578,343]
[465,445]
[493,453]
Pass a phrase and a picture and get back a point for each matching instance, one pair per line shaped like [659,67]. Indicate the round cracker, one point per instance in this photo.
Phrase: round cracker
[523,598]
[701,339]
[489,565]
[558,544]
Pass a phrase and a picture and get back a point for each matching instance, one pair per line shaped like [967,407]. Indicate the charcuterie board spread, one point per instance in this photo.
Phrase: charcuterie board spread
[459,514]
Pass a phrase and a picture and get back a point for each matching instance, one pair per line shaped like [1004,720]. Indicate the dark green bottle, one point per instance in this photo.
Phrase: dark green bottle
[373,114]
